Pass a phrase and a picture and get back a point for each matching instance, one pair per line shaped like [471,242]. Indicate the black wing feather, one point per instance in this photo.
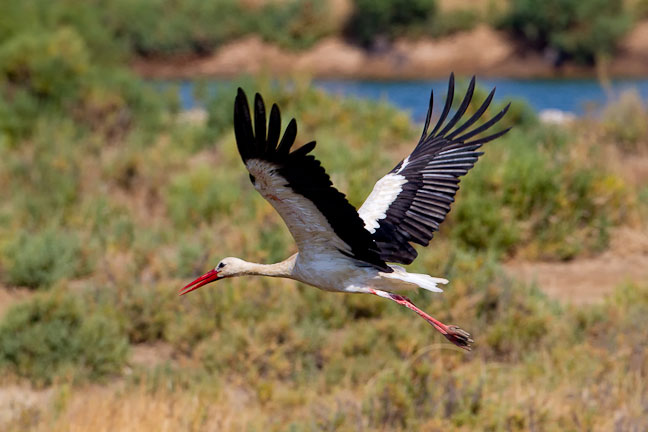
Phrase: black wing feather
[432,173]
[304,174]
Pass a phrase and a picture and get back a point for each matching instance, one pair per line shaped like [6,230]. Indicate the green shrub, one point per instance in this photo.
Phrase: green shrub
[295,24]
[524,195]
[389,404]
[49,65]
[375,19]
[454,21]
[640,9]
[578,29]
[44,75]
[194,26]
[481,224]
[146,312]
[84,18]
[624,121]
[53,336]
[219,111]
[39,260]
[196,197]
[39,72]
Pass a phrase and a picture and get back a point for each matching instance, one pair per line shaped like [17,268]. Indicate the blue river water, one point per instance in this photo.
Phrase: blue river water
[577,96]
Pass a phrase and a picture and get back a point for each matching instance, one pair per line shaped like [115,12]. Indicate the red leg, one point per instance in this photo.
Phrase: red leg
[453,333]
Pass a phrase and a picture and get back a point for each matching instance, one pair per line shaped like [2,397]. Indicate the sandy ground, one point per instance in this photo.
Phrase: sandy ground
[482,51]
[589,280]
[22,402]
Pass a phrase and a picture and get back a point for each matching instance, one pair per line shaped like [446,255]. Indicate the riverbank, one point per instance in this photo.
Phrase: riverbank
[462,53]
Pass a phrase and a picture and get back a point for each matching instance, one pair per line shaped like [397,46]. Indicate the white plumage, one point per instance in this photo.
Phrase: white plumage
[347,251]
[384,193]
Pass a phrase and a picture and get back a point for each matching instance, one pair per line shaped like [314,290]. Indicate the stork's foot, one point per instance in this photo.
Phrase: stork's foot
[454,334]
[459,337]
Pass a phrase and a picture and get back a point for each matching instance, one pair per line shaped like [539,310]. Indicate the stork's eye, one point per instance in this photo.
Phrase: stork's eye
[220,266]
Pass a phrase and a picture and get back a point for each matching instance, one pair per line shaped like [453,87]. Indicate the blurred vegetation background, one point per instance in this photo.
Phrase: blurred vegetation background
[111,200]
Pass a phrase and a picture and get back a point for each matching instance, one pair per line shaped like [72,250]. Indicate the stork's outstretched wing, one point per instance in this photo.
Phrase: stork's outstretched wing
[412,200]
[318,216]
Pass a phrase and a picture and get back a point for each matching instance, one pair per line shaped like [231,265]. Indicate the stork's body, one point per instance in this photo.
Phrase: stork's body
[334,272]
[341,249]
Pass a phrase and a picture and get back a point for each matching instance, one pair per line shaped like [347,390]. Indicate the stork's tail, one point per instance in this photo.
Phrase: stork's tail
[421,280]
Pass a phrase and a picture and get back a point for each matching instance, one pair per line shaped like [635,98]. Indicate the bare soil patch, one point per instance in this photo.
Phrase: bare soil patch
[150,355]
[21,404]
[589,280]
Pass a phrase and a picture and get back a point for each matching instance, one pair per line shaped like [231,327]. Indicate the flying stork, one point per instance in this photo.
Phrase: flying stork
[344,250]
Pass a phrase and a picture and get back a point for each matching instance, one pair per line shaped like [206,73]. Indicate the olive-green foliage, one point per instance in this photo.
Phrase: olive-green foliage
[53,75]
[453,21]
[295,24]
[37,260]
[577,29]
[516,195]
[625,123]
[58,56]
[220,109]
[53,336]
[44,73]
[640,9]
[199,195]
[115,29]
[41,17]
[510,200]
[376,19]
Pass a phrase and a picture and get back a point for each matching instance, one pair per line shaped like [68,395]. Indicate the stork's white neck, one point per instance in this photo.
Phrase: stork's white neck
[280,269]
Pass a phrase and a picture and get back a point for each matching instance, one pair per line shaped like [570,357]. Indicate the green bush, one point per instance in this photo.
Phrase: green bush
[43,17]
[524,195]
[38,260]
[196,197]
[294,24]
[39,72]
[219,111]
[52,336]
[454,21]
[46,74]
[193,26]
[624,122]
[146,312]
[374,19]
[576,29]
[49,65]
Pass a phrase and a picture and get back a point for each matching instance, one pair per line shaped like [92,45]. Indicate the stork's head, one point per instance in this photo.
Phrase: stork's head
[228,267]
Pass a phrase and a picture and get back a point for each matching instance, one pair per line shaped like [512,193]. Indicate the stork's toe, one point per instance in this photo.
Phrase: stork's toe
[459,337]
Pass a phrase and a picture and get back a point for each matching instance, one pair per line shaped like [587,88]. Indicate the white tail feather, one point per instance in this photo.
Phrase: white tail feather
[421,280]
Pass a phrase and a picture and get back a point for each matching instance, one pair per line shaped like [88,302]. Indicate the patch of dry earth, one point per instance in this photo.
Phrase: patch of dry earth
[588,280]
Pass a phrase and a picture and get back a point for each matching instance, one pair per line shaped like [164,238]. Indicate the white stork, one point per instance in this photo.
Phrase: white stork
[344,250]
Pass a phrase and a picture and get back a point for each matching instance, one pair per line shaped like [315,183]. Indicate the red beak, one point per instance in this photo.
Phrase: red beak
[208,277]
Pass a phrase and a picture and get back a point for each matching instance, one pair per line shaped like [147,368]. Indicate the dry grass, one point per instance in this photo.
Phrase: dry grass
[547,394]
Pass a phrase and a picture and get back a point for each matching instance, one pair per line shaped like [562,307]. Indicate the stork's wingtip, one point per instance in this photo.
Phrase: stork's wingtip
[259,106]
